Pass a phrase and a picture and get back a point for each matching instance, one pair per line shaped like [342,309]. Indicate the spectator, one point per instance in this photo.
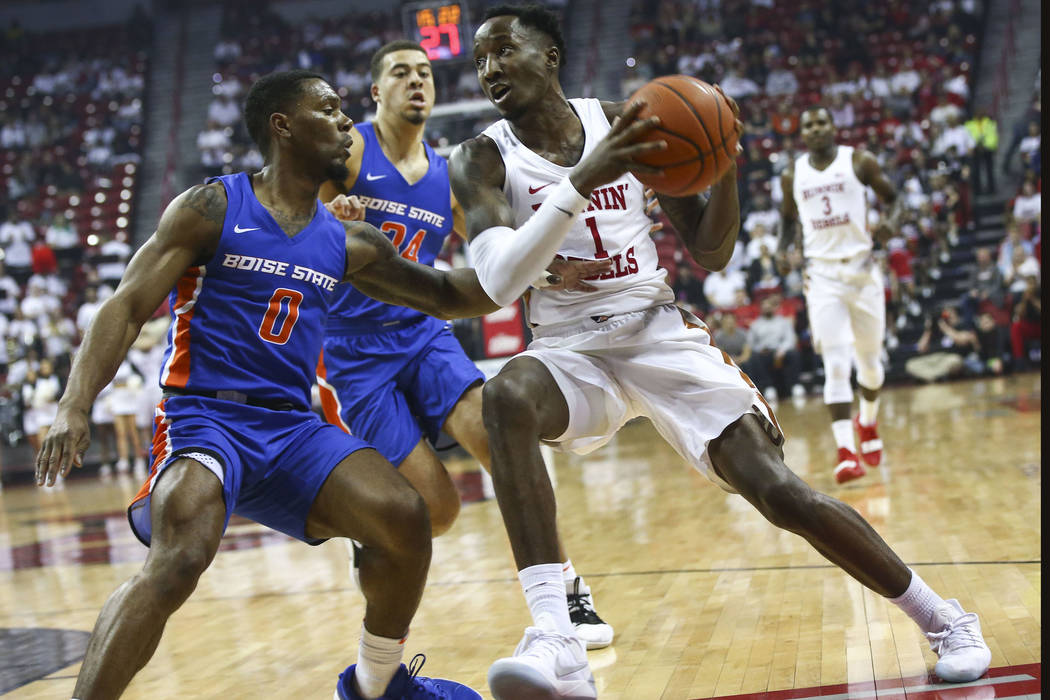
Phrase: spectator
[841,111]
[1014,239]
[688,289]
[37,304]
[985,285]
[44,260]
[954,136]
[762,214]
[721,288]
[1022,266]
[761,235]
[737,85]
[776,365]
[65,241]
[224,111]
[1027,323]
[780,80]
[944,343]
[985,134]
[1029,147]
[10,292]
[991,341]
[733,340]
[1022,127]
[112,258]
[1028,207]
[762,275]
[43,397]
[16,243]
[945,109]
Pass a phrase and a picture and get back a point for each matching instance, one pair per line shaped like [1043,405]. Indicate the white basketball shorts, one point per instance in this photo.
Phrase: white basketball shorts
[846,303]
[657,363]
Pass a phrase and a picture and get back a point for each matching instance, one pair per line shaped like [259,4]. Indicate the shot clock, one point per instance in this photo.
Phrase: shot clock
[441,28]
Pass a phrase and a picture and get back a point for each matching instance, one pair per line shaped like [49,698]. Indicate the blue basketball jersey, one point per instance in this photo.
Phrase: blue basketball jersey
[416,218]
[252,318]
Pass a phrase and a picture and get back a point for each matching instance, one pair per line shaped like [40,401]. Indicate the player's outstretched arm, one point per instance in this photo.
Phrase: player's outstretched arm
[375,268]
[187,234]
[508,259]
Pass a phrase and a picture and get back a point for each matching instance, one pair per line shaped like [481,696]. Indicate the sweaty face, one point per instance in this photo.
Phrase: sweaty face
[817,130]
[320,131]
[515,64]
[406,85]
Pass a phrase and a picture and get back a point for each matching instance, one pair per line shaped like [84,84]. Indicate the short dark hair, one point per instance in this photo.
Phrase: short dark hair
[537,17]
[817,107]
[390,47]
[272,93]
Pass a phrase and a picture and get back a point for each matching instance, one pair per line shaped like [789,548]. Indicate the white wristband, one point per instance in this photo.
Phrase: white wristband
[508,261]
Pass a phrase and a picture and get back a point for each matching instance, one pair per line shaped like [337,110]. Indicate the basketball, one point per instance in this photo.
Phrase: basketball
[699,127]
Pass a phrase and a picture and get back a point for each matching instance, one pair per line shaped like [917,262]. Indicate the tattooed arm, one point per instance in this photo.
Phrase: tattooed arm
[188,234]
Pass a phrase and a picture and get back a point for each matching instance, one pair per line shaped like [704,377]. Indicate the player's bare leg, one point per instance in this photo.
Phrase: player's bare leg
[431,479]
[465,424]
[523,405]
[187,516]
[744,456]
[838,395]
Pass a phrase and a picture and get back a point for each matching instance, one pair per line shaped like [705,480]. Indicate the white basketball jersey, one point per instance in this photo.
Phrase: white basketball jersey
[614,226]
[832,208]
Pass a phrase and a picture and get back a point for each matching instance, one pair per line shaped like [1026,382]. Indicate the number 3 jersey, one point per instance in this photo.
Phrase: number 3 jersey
[417,219]
[252,318]
[832,208]
[614,226]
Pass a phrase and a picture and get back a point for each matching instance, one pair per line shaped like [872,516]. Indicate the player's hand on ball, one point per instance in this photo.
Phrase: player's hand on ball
[739,125]
[572,273]
[346,208]
[618,151]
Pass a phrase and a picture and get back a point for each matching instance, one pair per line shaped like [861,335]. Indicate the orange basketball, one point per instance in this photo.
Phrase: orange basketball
[699,127]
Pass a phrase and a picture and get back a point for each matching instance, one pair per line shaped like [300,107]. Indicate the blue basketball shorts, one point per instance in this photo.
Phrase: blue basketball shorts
[392,388]
[271,464]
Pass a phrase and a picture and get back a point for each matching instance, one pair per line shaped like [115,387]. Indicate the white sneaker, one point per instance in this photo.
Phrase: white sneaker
[547,665]
[122,466]
[592,630]
[770,392]
[798,391]
[964,656]
[138,468]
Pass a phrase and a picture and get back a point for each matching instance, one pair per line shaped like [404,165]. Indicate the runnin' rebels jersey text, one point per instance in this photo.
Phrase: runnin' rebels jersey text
[252,318]
[832,208]
[416,218]
[614,226]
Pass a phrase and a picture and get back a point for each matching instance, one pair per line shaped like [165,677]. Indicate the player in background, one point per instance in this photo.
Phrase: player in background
[600,358]
[824,191]
[391,375]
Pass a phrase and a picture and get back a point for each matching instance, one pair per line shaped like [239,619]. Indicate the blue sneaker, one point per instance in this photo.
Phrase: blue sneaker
[408,685]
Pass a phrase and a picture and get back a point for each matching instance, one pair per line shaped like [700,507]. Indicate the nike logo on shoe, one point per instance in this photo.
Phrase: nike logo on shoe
[237,229]
[372,178]
[534,190]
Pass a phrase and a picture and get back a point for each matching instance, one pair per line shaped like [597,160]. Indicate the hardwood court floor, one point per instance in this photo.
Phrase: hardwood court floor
[707,599]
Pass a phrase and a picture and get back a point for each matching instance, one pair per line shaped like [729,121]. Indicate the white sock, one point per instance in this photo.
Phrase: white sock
[377,661]
[568,573]
[919,602]
[869,411]
[843,431]
[544,590]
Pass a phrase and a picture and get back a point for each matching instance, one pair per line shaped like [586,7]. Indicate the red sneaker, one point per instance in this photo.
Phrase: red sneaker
[848,467]
[870,444]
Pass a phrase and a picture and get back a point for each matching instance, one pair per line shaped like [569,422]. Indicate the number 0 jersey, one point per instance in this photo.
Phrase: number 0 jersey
[614,226]
[416,218]
[832,208]
[252,318]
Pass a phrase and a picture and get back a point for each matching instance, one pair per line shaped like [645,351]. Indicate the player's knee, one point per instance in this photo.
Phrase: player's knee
[407,521]
[837,367]
[173,574]
[870,373]
[443,514]
[507,404]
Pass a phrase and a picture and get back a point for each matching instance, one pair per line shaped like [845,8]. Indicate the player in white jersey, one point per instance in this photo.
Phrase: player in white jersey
[602,357]
[824,189]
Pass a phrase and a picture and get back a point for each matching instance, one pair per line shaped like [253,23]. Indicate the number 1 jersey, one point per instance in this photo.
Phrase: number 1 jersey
[252,318]
[615,226]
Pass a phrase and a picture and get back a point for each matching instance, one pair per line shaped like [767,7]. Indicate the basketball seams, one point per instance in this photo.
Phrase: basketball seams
[696,114]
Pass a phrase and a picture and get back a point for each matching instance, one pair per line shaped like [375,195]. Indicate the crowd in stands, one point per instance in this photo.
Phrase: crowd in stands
[896,79]
[71,120]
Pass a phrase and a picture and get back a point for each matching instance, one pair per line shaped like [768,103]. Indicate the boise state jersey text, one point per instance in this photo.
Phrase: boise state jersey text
[252,318]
